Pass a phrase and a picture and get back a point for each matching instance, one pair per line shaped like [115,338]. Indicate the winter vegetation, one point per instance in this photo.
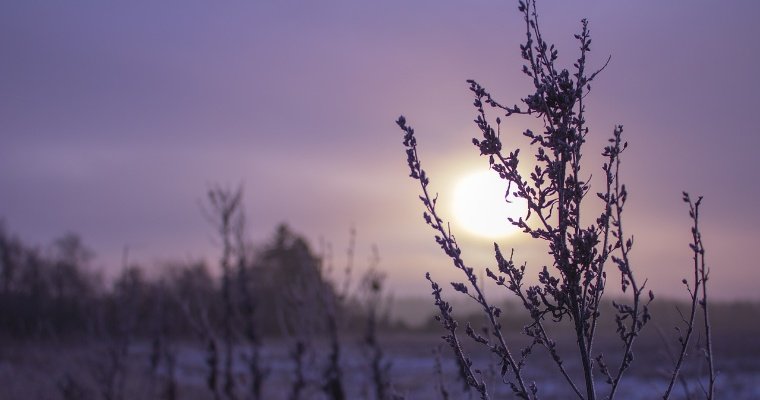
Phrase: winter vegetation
[229,319]
[572,288]
[302,329]
[285,319]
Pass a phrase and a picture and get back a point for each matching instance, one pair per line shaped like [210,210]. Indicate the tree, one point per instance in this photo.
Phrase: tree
[11,253]
[572,287]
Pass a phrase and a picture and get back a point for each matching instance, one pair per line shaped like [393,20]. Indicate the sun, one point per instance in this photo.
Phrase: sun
[480,208]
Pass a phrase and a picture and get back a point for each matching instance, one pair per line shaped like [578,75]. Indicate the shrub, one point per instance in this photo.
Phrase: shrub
[572,288]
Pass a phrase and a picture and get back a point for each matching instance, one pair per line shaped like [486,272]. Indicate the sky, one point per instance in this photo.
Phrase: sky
[117,117]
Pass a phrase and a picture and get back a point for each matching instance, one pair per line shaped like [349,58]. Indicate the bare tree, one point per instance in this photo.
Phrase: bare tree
[226,215]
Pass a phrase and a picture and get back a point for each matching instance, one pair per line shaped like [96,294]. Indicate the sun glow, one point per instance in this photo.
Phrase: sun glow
[480,207]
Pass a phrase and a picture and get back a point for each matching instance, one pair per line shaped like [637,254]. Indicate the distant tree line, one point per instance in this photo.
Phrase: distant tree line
[279,288]
[56,292]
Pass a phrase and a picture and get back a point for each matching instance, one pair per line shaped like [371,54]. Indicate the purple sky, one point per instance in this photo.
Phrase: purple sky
[116,118]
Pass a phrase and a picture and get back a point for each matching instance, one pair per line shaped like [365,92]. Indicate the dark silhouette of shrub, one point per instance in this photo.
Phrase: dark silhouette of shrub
[556,192]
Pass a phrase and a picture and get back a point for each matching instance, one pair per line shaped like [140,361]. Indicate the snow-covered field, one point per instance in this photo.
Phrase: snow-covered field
[38,371]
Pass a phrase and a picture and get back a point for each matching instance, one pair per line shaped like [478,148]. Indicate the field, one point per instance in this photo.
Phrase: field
[38,371]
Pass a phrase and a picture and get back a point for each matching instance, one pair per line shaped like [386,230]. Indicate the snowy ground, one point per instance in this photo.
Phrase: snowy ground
[36,371]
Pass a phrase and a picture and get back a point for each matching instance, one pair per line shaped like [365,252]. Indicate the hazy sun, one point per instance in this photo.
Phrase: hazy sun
[480,208]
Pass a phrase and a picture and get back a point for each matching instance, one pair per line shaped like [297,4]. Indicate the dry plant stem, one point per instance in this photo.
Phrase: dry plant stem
[612,153]
[448,323]
[699,279]
[704,272]
[515,286]
[637,318]
[583,343]
[564,181]
[554,191]
[448,243]
[669,350]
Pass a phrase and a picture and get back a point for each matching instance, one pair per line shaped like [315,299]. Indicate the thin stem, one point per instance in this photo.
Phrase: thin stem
[697,281]
[703,272]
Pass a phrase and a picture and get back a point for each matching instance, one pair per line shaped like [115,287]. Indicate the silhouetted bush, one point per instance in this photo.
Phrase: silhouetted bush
[569,293]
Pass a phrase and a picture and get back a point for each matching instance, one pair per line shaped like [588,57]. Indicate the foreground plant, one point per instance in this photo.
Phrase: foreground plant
[556,193]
